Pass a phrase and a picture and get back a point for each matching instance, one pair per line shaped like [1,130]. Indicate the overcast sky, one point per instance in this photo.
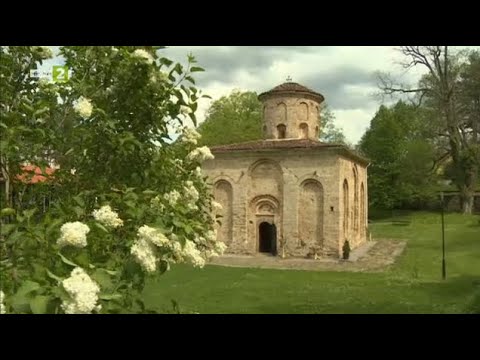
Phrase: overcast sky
[345,75]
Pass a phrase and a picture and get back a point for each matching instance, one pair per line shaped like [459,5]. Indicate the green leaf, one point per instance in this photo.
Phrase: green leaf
[100,226]
[53,276]
[178,69]
[66,261]
[163,266]
[166,61]
[79,201]
[194,106]
[189,78]
[20,304]
[51,228]
[6,229]
[79,211]
[39,304]
[188,229]
[29,213]
[83,260]
[12,238]
[7,212]
[110,296]
[196,69]
[103,279]
[27,287]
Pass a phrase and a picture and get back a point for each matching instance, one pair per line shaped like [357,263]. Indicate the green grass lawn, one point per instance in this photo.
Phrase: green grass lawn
[412,285]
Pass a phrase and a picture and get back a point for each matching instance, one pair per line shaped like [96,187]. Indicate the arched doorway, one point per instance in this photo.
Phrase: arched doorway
[267,241]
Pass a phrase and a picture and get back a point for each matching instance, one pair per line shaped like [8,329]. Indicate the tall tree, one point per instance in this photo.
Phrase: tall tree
[232,119]
[440,89]
[401,154]
[330,133]
[238,117]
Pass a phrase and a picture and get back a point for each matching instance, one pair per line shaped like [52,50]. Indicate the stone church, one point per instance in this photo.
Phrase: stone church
[289,194]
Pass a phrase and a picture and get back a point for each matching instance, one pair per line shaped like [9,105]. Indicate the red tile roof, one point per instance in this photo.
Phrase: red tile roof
[34,174]
[271,144]
[292,88]
[261,145]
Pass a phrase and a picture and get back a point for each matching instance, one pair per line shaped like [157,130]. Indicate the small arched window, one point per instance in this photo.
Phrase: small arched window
[281,131]
[303,131]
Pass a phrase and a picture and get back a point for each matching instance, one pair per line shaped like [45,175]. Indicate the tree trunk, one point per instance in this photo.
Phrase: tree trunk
[467,191]
[6,179]
[467,204]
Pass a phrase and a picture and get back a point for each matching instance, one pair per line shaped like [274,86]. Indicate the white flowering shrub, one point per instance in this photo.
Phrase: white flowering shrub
[73,234]
[106,216]
[2,305]
[123,202]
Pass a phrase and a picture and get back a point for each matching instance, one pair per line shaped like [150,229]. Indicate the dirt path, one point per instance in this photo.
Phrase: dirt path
[372,257]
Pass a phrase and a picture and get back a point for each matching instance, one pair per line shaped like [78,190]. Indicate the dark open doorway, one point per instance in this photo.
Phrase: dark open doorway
[267,238]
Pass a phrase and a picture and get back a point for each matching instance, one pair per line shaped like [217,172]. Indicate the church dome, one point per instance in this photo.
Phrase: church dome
[291,111]
[292,88]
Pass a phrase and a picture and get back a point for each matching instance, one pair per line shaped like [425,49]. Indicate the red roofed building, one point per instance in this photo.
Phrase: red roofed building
[33,174]
[289,193]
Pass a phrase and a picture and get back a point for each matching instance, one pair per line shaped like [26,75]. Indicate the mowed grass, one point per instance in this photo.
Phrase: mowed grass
[412,285]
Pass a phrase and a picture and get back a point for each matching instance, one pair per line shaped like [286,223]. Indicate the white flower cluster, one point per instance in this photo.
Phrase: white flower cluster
[200,154]
[172,197]
[144,248]
[3,310]
[211,235]
[191,195]
[217,206]
[74,234]
[152,235]
[83,292]
[156,203]
[192,254]
[176,249]
[190,136]
[83,107]
[198,172]
[144,253]
[158,76]
[107,217]
[142,54]
[220,247]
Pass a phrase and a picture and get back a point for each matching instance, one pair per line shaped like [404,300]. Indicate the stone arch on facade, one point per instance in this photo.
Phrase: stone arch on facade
[346,207]
[266,210]
[281,113]
[302,111]
[355,220]
[303,129]
[223,194]
[363,220]
[281,131]
[311,212]
[274,165]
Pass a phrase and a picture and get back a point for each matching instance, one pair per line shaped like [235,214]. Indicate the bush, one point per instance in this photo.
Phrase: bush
[346,250]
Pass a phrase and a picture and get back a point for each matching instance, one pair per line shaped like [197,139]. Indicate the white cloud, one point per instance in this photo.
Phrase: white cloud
[343,74]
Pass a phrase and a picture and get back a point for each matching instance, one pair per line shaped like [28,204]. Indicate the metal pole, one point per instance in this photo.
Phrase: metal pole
[444,270]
